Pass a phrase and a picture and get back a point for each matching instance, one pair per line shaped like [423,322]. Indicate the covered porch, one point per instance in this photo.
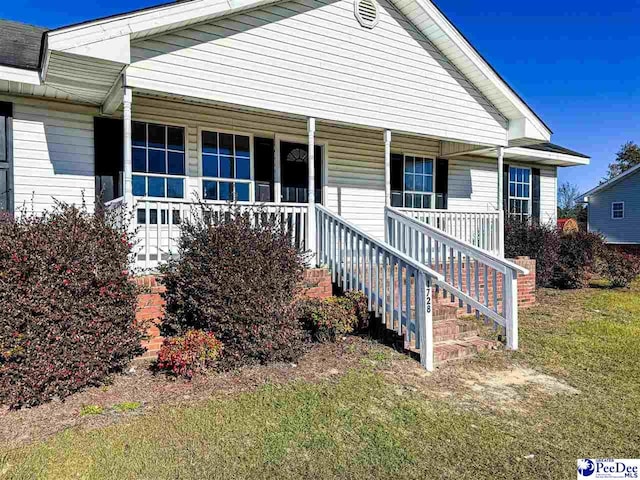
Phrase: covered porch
[178,152]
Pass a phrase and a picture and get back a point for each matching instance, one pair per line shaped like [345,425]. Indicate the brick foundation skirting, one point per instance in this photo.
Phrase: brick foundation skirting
[315,284]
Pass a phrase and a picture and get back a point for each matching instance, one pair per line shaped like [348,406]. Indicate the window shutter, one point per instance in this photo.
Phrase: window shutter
[6,156]
[442,183]
[396,171]
[108,157]
[535,194]
[263,168]
[505,188]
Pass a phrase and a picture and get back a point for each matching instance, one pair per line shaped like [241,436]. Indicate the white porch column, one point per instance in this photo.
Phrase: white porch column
[277,172]
[127,185]
[387,168]
[311,190]
[500,201]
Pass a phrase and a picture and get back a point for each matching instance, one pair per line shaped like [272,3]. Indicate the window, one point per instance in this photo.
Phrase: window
[617,210]
[226,166]
[416,182]
[158,152]
[520,192]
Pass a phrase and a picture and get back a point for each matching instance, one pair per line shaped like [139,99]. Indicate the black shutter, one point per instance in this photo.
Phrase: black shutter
[505,189]
[442,183]
[396,179]
[535,194]
[6,157]
[263,168]
[109,157]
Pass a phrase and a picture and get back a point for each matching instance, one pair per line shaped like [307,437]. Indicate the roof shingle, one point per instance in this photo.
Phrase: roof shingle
[20,44]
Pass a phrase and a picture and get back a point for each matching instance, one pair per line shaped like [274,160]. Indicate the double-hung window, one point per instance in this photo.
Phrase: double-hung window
[417,182]
[520,192]
[617,210]
[226,166]
[158,160]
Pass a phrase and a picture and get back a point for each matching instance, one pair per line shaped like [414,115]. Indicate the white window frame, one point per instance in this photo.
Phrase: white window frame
[185,177]
[432,193]
[515,197]
[612,210]
[202,178]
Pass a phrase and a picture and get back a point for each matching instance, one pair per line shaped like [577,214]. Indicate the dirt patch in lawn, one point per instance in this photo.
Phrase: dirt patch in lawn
[141,391]
[506,389]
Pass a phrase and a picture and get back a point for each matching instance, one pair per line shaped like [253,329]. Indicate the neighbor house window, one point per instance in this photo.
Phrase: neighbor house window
[520,192]
[226,166]
[158,160]
[617,210]
[417,181]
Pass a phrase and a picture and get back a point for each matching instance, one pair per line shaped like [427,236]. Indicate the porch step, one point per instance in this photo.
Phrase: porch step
[444,330]
[460,349]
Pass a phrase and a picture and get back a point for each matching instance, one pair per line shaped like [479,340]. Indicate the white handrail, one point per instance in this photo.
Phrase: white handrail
[480,229]
[470,273]
[361,262]
[494,261]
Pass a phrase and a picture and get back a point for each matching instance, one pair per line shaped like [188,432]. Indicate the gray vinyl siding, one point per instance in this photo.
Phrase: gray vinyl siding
[626,230]
[312,58]
[53,153]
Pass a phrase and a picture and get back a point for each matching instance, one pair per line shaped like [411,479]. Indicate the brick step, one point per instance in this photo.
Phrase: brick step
[444,330]
[460,349]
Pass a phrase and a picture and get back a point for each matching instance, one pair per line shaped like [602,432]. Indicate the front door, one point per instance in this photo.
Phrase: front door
[294,176]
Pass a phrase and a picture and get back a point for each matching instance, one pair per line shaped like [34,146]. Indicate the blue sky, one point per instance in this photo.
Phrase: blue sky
[577,63]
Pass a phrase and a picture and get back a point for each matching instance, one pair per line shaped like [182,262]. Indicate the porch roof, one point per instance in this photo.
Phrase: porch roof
[543,153]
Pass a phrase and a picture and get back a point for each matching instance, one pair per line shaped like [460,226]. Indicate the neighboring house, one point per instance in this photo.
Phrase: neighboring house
[613,208]
[379,110]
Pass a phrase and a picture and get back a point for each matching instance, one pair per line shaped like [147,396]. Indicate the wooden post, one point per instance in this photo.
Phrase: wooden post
[127,184]
[511,308]
[424,315]
[387,168]
[311,189]
[277,172]
[500,202]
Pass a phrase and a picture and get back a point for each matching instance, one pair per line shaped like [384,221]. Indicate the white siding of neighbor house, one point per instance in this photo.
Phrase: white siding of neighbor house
[312,58]
[52,153]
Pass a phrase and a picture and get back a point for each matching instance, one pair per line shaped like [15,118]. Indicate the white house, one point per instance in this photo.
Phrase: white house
[371,108]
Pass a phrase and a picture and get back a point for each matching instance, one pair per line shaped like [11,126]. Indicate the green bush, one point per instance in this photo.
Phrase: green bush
[236,278]
[330,318]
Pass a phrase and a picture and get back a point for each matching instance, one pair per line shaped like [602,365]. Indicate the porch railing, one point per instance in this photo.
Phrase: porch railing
[157,224]
[398,287]
[478,279]
[480,229]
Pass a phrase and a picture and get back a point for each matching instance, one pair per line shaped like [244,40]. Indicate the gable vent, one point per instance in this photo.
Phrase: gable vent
[366,12]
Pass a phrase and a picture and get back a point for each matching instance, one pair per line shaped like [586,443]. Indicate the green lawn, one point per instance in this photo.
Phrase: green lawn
[374,423]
